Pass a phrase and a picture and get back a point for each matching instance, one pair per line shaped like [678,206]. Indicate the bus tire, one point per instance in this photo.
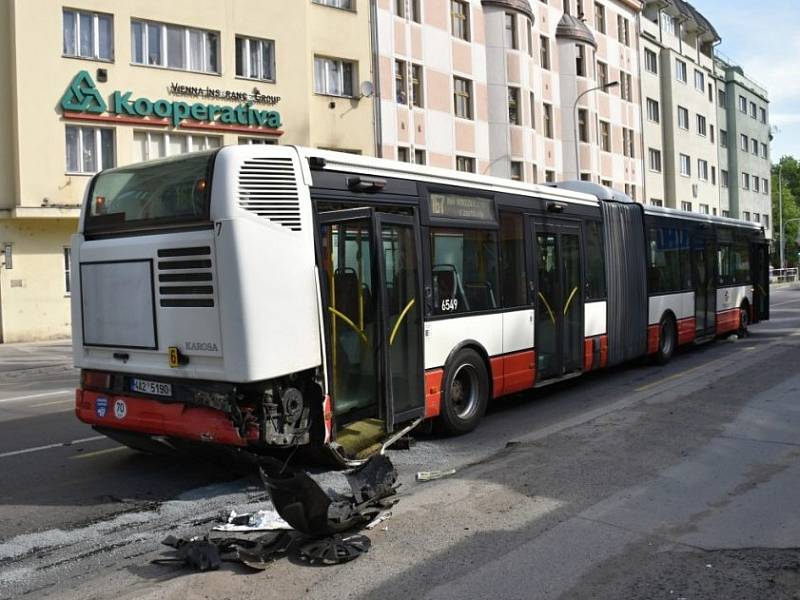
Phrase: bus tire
[667,340]
[465,393]
[744,320]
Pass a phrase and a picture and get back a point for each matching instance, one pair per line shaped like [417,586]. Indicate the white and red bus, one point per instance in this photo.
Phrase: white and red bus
[272,296]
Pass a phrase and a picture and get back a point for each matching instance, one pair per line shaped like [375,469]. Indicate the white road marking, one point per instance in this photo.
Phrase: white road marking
[98,453]
[52,402]
[42,395]
[51,446]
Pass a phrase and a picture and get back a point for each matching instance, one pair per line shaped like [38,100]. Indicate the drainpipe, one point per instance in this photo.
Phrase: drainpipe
[642,147]
[376,78]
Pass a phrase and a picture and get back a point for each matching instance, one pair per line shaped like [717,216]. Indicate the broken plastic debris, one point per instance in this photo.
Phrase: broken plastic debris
[431,475]
[334,550]
[197,553]
[262,520]
[379,519]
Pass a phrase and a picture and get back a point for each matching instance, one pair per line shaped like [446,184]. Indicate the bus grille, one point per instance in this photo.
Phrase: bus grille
[268,188]
[185,277]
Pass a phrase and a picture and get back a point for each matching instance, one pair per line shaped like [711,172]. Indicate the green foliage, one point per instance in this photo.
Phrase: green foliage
[789,168]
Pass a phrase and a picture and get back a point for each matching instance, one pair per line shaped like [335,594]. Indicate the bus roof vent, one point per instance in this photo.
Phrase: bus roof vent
[268,188]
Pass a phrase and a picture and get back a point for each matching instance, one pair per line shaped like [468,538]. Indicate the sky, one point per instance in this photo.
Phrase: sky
[763,36]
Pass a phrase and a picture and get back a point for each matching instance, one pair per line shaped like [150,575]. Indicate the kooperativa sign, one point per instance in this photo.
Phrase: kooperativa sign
[82,96]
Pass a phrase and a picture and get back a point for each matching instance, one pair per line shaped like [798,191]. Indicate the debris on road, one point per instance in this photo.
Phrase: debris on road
[261,520]
[378,520]
[431,475]
[334,550]
[198,553]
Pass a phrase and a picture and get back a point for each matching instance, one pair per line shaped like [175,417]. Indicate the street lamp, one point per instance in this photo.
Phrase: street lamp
[605,86]
[780,210]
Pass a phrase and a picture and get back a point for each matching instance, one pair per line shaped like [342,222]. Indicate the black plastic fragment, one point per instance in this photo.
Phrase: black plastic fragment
[334,550]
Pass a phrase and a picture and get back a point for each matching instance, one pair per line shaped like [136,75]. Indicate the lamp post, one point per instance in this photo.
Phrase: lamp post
[780,211]
[605,86]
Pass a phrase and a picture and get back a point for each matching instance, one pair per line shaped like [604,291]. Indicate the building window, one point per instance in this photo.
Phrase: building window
[754,146]
[699,81]
[548,119]
[529,29]
[416,85]
[743,142]
[722,98]
[602,75]
[400,8]
[710,92]
[701,125]
[89,149]
[400,82]
[764,150]
[607,183]
[711,133]
[88,35]
[148,145]
[67,261]
[623,30]
[255,58]
[745,181]
[628,148]
[713,175]
[462,97]
[683,118]
[756,184]
[650,61]
[686,165]
[723,178]
[686,206]
[459,18]
[511,32]
[655,160]
[765,185]
[703,209]
[403,154]
[533,110]
[465,163]
[513,106]
[723,138]
[765,219]
[627,87]
[334,76]
[653,111]
[583,125]
[344,4]
[516,170]
[746,215]
[605,136]
[726,214]
[260,141]
[680,70]
[702,169]
[756,218]
[753,111]
[416,14]
[419,157]
[763,113]
[586,176]
[599,17]
[566,7]
[655,202]
[174,47]
[549,176]
[544,52]
[668,23]
[743,104]
[580,60]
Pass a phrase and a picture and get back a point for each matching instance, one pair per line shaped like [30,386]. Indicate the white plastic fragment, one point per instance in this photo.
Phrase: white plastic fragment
[431,475]
[262,520]
[379,519]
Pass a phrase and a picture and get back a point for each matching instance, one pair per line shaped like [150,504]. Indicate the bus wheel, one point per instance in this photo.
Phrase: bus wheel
[667,340]
[465,393]
[744,321]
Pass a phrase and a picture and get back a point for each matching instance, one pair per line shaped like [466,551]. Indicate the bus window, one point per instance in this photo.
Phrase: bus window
[512,265]
[464,270]
[741,262]
[725,264]
[664,259]
[595,261]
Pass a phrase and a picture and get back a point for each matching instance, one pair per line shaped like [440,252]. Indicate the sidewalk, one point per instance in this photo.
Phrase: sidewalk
[35,357]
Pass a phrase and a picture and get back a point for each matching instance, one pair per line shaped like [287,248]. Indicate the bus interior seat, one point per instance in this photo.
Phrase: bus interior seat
[480,295]
[346,287]
[447,286]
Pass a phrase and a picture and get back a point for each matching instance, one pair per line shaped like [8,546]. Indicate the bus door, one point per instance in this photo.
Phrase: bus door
[703,277]
[760,275]
[371,294]
[558,299]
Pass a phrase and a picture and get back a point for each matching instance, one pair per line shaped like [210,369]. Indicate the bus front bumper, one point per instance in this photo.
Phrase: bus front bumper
[151,417]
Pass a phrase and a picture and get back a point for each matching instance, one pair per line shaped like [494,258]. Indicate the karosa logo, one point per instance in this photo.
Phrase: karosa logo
[82,96]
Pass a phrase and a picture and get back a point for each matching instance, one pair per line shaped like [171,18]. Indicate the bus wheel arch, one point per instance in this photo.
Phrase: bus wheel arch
[466,388]
[667,337]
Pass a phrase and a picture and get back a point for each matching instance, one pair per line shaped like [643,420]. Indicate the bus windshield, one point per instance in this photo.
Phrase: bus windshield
[156,193]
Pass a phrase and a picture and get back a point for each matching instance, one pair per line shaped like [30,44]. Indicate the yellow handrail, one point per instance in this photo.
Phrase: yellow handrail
[347,320]
[400,319]
[547,306]
[572,295]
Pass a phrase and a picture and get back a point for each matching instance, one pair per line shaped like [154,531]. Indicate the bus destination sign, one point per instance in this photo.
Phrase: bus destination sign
[456,206]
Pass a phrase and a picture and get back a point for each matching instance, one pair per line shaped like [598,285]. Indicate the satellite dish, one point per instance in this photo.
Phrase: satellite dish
[367,89]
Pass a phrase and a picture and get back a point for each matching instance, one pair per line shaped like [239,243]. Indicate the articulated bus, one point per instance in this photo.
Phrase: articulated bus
[267,297]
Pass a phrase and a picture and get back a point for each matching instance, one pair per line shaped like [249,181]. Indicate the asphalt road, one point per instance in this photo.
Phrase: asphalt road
[617,484]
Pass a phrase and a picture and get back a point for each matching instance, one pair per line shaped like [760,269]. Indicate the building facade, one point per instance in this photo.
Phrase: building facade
[98,83]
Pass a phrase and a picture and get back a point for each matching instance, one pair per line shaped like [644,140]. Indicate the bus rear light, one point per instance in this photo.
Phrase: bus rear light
[96,379]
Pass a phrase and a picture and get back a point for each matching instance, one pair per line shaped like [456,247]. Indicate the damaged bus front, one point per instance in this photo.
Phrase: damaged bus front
[196,304]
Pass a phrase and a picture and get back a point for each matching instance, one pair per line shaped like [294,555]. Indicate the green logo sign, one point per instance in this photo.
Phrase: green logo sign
[83,96]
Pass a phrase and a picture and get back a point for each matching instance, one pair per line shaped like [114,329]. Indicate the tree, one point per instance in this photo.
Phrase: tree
[789,168]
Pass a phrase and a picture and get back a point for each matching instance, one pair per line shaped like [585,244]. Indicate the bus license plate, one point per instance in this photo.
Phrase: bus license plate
[143,386]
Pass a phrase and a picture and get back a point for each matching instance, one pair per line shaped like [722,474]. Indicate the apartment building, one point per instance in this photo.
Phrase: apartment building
[506,87]
[97,83]
[743,117]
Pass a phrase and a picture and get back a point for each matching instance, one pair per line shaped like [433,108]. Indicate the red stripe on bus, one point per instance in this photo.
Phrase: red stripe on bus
[158,418]
[496,363]
[588,354]
[686,330]
[519,371]
[653,337]
[433,392]
[603,351]
[327,417]
[728,320]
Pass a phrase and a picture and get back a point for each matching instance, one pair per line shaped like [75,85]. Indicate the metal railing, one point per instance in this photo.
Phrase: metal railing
[784,275]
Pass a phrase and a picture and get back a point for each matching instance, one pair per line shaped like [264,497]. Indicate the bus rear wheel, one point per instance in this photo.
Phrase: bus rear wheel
[465,393]
[667,341]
